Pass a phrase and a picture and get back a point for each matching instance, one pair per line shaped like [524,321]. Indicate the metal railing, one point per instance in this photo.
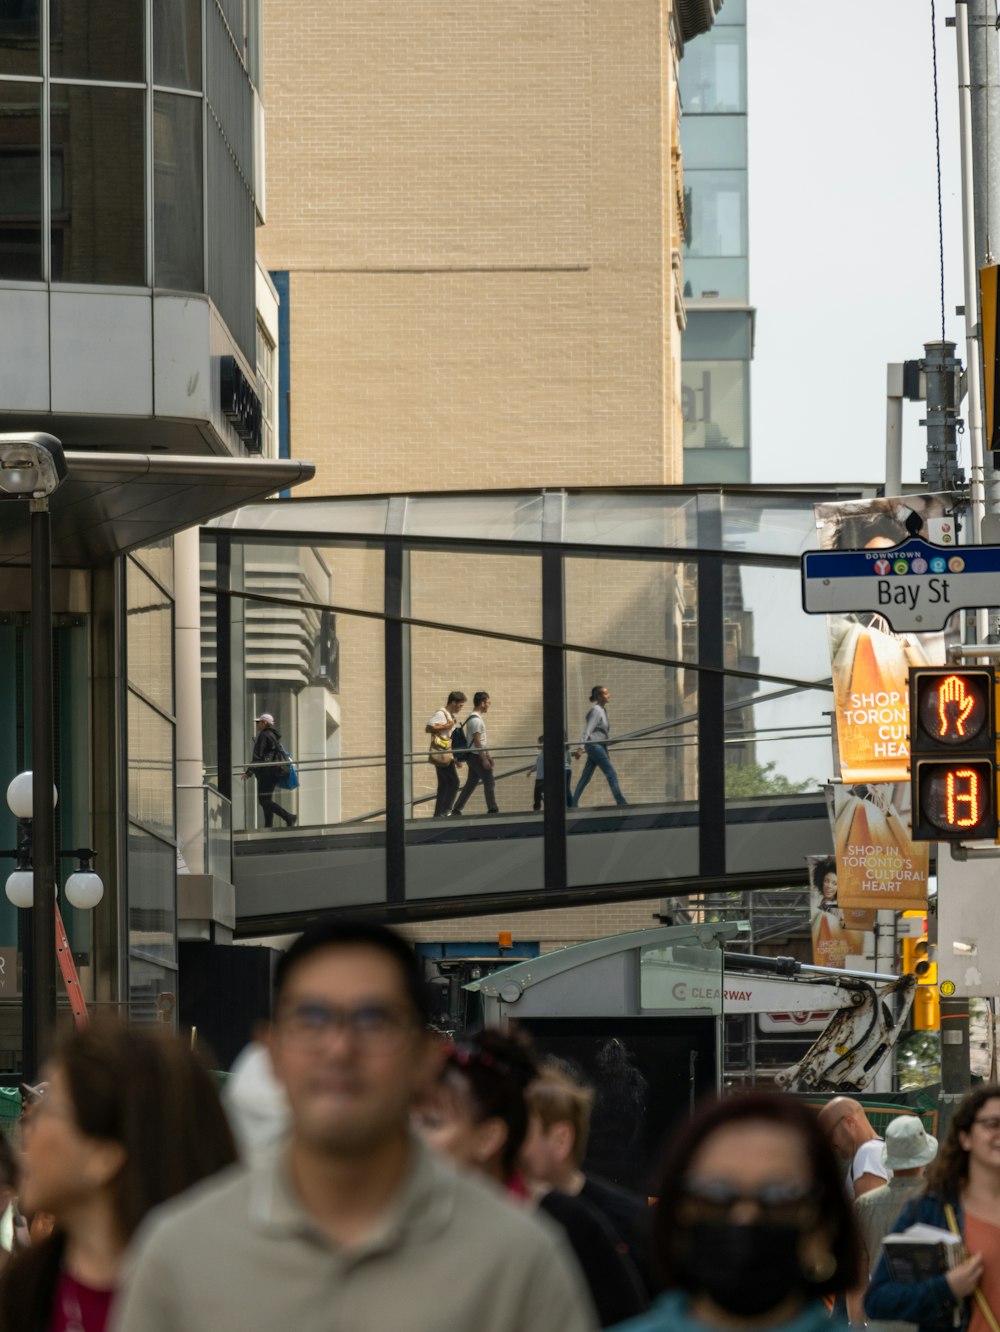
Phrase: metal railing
[205,831]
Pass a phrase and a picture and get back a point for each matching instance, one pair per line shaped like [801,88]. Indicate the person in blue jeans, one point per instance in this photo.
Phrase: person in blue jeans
[596,734]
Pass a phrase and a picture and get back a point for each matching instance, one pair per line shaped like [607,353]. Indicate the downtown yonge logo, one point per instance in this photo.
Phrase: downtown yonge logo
[902,563]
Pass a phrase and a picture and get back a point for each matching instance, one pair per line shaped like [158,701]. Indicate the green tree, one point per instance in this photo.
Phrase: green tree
[760,779]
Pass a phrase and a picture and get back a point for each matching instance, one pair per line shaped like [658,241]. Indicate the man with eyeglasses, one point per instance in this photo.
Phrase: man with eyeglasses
[352,1223]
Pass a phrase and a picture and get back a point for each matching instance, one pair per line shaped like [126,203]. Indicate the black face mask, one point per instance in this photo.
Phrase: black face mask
[746,1270]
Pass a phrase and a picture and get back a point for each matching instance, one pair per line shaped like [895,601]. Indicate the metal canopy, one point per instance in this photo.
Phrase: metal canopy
[114,502]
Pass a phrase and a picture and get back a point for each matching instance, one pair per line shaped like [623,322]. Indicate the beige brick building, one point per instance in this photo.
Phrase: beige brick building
[479,209]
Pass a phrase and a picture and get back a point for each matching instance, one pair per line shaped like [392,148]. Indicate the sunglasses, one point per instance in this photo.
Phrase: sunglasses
[777,1200]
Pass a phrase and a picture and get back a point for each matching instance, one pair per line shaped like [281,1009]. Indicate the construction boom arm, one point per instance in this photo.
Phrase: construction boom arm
[870,1012]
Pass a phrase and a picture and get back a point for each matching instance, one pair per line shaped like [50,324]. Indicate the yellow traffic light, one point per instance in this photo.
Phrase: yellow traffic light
[926,1009]
[918,960]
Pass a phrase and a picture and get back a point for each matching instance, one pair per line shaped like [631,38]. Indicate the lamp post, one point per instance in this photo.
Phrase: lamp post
[32,467]
[83,890]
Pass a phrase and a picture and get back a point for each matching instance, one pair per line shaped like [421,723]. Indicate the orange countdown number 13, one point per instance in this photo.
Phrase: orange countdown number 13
[956,797]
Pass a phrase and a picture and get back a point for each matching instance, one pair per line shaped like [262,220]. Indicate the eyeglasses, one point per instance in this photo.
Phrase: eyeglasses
[373,1026]
[991,1123]
[778,1200]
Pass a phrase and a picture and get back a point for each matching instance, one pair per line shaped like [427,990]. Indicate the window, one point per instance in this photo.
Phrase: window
[20,181]
[266,368]
[715,405]
[178,229]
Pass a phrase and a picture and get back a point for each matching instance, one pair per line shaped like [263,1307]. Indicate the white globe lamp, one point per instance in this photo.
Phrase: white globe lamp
[84,889]
[19,796]
[21,889]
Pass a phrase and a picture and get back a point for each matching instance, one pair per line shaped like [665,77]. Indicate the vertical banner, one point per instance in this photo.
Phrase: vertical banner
[837,932]
[879,867]
[870,666]
[869,663]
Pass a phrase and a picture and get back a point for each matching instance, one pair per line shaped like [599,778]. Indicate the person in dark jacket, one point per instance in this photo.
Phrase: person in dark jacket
[752,1226]
[965,1180]
[478,1116]
[266,764]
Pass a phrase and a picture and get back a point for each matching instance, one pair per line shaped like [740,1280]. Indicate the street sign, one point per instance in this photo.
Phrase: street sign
[913,586]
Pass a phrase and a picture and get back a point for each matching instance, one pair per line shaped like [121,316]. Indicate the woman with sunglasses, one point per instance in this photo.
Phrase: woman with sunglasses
[478,1116]
[962,1194]
[752,1226]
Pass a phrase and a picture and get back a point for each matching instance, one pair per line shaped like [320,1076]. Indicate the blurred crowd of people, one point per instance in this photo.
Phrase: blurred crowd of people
[366,1173]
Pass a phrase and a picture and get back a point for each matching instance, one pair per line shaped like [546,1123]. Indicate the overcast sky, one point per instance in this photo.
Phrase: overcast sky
[843,226]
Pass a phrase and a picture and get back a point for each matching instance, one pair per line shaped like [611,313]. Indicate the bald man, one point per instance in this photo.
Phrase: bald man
[851,1135]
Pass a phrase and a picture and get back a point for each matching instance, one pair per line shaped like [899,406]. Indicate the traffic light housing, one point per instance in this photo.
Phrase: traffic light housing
[918,959]
[953,753]
[926,1009]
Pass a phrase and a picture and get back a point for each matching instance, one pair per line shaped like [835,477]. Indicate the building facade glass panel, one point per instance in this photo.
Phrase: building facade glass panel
[158,559]
[150,767]
[21,181]
[150,638]
[713,72]
[717,211]
[150,745]
[20,37]
[177,43]
[714,404]
[98,164]
[716,141]
[152,867]
[178,234]
[97,39]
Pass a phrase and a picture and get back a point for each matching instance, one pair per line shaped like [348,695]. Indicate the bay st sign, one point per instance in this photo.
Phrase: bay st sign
[914,586]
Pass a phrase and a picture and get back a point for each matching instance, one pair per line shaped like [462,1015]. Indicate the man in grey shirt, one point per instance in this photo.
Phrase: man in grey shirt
[352,1226]
[908,1149]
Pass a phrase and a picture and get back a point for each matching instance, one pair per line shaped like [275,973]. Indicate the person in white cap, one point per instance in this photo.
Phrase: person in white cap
[907,1150]
[265,765]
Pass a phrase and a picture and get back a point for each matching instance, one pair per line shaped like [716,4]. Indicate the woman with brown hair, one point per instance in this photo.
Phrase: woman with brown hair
[130,1118]
[963,1193]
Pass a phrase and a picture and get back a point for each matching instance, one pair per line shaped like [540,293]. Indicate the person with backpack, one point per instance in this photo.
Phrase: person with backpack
[441,728]
[477,756]
[268,764]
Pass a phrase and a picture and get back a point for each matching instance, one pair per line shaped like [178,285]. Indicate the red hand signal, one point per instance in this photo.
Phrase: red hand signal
[955,703]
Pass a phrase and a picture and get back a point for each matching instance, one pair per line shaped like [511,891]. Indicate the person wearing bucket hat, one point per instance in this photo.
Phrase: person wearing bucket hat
[907,1149]
[961,1194]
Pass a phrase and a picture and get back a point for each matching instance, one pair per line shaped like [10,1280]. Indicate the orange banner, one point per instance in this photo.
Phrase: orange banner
[871,668]
[878,865]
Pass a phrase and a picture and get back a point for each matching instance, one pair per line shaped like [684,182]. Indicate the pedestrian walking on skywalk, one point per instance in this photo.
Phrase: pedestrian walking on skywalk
[440,727]
[478,757]
[596,734]
[266,765]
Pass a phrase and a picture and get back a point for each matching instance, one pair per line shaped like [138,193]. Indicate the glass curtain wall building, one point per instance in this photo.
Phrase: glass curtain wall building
[717,346]
[143,117]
